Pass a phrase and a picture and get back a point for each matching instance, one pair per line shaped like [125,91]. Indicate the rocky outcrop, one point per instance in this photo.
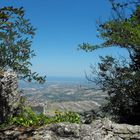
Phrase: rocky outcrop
[88,116]
[102,129]
[9,95]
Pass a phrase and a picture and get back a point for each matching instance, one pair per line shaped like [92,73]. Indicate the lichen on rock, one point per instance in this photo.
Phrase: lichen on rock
[9,95]
[101,129]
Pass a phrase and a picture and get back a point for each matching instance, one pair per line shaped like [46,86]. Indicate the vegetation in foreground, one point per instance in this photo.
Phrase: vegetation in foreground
[120,78]
[28,118]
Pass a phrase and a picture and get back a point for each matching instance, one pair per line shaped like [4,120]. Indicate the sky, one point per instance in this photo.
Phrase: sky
[61,26]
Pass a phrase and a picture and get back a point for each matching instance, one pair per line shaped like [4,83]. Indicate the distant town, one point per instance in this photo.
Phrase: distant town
[67,94]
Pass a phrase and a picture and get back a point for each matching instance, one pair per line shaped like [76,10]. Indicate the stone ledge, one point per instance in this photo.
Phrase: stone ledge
[102,129]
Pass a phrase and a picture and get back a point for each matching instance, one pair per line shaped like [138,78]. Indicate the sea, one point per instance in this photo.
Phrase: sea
[55,80]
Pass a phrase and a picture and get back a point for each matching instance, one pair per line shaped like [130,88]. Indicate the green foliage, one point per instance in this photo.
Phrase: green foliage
[26,118]
[122,85]
[87,47]
[120,78]
[16,34]
[71,117]
[29,118]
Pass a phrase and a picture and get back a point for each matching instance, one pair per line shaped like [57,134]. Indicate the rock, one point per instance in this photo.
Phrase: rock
[88,116]
[66,130]
[101,129]
[9,95]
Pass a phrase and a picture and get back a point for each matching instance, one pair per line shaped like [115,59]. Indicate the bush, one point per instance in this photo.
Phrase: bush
[29,118]
[71,117]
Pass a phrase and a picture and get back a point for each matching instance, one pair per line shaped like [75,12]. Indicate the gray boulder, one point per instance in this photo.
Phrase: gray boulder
[101,129]
[9,95]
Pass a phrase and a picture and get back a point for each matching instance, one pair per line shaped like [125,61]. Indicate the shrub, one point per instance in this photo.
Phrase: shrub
[29,118]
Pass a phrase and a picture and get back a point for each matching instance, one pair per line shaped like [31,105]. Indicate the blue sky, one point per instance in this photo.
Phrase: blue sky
[61,26]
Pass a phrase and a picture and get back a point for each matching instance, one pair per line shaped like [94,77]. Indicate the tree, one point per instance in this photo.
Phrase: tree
[16,34]
[120,79]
